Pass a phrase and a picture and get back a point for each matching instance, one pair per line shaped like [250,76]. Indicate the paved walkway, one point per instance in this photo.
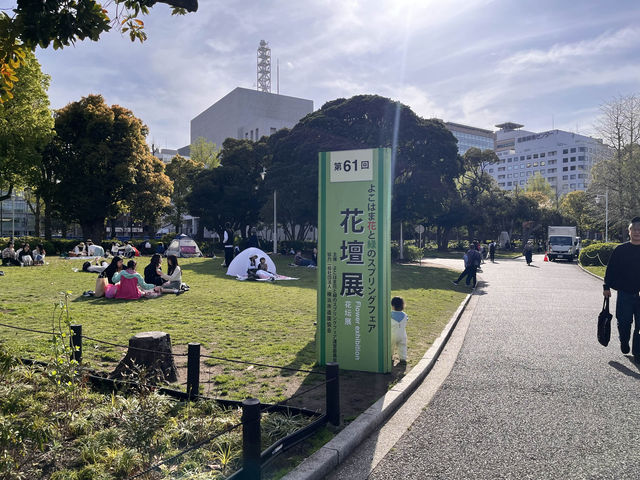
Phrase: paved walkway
[532,395]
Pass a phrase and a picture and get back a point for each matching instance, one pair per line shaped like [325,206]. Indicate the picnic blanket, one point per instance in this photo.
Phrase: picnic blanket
[242,278]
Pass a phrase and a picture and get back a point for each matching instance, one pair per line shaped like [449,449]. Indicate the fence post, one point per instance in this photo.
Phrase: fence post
[333,393]
[75,342]
[251,438]
[193,370]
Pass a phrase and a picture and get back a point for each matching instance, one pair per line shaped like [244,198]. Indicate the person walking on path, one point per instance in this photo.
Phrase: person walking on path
[471,267]
[227,241]
[528,252]
[492,252]
[623,275]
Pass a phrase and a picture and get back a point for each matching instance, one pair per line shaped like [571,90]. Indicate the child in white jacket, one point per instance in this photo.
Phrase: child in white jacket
[399,321]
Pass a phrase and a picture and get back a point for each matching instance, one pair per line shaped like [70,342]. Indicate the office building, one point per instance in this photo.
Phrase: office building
[469,136]
[563,158]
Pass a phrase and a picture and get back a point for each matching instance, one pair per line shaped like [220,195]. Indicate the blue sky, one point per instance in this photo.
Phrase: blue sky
[478,62]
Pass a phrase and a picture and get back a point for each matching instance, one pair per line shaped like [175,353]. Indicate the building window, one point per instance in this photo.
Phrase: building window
[573,167]
[521,182]
[581,158]
[509,184]
[552,162]
[573,159]
[573,150]
[582,149]
[565,177]
[551,154]
[573,185]
[535,155]
[565,169]
[551,179]
[565,151]
[542,164]
[528,157]
[572,177]
[542,155]
[522,157]
[500,177]
[535,164]
[565,160]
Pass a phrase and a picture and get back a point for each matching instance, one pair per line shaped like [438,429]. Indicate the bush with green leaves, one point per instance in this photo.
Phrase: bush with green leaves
[597,254]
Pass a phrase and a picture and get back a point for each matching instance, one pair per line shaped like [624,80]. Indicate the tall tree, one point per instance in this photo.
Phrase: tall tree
[538,184]
[26,125]
[103,153]
[205,152]
[234,191]
[183,172]
[617,169]
[576,208]
[425,158]
[62,22]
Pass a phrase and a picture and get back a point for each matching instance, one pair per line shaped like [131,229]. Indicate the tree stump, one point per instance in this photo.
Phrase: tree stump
[150,351]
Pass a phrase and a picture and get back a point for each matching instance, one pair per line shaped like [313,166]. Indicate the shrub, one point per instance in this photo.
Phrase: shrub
[585,242]
[597,254]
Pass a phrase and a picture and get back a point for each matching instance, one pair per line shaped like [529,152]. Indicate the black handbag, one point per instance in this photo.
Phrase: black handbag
[604,324]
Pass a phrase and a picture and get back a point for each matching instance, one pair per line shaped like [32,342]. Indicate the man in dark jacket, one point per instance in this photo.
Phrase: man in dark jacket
[623,275]
[471,267]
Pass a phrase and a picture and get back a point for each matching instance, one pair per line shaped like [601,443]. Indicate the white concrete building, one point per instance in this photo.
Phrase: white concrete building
[248,114]
[563,158]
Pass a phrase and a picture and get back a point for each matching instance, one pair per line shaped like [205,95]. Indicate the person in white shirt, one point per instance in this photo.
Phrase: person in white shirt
[173,277]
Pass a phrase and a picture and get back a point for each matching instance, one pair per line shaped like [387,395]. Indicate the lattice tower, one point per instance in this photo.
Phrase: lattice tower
[264,67]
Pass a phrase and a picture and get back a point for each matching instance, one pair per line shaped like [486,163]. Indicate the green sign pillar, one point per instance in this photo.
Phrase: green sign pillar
[354,250]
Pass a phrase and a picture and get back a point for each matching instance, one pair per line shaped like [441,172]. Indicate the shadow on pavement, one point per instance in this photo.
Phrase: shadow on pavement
[624,369]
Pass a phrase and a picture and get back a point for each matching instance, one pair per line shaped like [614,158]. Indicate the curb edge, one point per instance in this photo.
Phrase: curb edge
[333,453]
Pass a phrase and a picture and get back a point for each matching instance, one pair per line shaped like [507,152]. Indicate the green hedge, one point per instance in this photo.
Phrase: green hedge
[596,254]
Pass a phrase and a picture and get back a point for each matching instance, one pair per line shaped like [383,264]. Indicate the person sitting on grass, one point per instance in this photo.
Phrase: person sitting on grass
[173,277]
[78,251]
[132,285]
[24,255]
[263,270]
[38,255]
[301,261]
[116,265]
[9,256]
[252,268]
[153,271]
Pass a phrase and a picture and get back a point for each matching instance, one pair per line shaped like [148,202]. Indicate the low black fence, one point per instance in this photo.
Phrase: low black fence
[254,458]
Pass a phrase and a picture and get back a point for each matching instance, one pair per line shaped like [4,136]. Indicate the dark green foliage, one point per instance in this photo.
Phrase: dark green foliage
[597,254]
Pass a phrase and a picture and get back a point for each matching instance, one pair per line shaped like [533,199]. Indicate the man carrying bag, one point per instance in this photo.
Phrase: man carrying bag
[623,275]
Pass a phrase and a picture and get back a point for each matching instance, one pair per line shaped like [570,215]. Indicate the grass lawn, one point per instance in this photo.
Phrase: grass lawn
[254,321]
[597,270]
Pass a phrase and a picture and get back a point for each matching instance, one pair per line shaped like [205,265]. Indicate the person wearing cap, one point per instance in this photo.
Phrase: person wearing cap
[623,275]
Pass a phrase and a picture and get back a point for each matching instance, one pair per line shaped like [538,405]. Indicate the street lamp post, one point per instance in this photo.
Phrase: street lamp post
[606,213]
[263,174]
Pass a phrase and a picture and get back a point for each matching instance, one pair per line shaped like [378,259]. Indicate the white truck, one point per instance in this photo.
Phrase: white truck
[563,242]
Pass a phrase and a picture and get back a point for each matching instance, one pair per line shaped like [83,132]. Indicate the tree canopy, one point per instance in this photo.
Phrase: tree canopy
[62,23]
[107,167]
[233,192]
[183,172]
[26,125]
[204,152]
[424,165]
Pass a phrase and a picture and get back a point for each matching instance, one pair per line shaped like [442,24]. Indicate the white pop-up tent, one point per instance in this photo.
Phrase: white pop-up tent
[238,267]
[183,246]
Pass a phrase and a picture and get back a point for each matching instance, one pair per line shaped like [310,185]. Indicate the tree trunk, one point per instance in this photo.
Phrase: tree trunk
[7,195]
[36,216]
[93,230]
[150,351]
[47,220]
